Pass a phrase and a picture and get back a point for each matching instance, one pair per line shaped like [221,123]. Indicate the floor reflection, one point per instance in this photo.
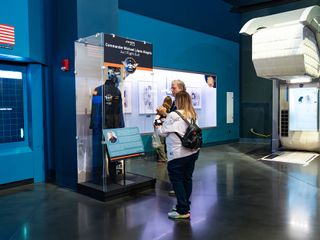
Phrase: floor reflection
[235,196]
[302,208]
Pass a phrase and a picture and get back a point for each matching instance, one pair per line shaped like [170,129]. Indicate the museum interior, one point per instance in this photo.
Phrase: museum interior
[89,91]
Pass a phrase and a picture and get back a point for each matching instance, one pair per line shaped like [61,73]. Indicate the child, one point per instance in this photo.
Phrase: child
[159,119]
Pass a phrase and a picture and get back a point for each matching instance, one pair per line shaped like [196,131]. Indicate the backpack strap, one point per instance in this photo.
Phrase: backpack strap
[184,119]
[178,135]
[187,122]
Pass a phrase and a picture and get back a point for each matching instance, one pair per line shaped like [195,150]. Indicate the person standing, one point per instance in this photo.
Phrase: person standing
[181,160]
[160,142]
[176,87]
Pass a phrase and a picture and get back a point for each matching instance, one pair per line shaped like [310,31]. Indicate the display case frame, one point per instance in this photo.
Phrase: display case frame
[101,65]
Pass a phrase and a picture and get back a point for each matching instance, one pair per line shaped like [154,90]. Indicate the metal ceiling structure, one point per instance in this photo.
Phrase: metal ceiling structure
[219,18]
[250,5]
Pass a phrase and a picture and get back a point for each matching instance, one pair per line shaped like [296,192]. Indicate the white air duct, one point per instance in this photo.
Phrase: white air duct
[285,46]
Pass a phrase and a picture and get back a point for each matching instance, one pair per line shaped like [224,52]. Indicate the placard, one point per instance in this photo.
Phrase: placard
[123,143]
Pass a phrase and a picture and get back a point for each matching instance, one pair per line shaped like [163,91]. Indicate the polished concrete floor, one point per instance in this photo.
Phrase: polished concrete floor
[235,196]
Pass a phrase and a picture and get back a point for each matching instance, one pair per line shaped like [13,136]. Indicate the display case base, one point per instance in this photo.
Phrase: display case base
[112,189]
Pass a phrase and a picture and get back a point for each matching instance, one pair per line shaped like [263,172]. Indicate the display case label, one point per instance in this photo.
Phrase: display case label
[131,54]
[123,143]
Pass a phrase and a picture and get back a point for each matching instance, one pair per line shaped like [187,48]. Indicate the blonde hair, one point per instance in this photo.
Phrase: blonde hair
[180,84]
[184,102]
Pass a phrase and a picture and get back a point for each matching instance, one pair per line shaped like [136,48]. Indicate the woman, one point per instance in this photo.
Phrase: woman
[181,160]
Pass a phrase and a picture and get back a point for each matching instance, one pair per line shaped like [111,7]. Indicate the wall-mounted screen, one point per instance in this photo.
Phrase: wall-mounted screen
[11,107]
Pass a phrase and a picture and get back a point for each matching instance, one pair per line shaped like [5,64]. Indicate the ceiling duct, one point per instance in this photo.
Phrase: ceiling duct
[285,46]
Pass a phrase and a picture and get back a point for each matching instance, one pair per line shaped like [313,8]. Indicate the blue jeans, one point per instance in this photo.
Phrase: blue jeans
[180,172]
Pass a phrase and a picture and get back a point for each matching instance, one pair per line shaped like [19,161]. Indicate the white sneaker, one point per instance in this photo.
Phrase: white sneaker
[175,209]
[176,215]
[171,193]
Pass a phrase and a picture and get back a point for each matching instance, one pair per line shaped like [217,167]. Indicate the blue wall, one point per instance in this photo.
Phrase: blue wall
[28,19]
[208,16]
[97,16]
[37,29]
[176,47]
[62,87]
[17,17]
[20,161]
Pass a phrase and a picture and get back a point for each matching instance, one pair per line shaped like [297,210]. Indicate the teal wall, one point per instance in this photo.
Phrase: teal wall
[256,93]
[176,47]
[97,16]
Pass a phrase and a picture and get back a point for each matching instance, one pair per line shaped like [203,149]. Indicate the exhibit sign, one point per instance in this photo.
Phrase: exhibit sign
[123,143]
[127,53]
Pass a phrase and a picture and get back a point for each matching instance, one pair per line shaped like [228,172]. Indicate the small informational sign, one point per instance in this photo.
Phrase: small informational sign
[131,54]
[123,143]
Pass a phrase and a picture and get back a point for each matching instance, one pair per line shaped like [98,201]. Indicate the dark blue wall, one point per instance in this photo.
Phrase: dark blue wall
[37,29]
[207,16]
[62,84]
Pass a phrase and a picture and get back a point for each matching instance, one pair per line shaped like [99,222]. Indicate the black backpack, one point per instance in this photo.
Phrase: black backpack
[193,137]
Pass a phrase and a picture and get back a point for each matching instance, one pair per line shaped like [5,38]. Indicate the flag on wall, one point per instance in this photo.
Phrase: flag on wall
[7,34]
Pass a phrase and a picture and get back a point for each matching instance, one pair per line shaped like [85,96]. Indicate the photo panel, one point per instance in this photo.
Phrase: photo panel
[195,94]
[147,97]
[127,97]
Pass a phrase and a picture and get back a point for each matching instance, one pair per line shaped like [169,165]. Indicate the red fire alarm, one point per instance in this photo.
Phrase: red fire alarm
[65,65]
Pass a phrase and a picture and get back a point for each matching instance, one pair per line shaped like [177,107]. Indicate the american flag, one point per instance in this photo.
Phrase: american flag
[7,34]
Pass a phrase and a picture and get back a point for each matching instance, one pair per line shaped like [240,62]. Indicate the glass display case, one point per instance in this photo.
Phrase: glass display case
[117,94]
[104,141]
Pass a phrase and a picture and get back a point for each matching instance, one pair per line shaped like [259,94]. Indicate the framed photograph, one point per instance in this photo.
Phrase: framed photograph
[147,97]
[127,97]
[211,80]
[195,94]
